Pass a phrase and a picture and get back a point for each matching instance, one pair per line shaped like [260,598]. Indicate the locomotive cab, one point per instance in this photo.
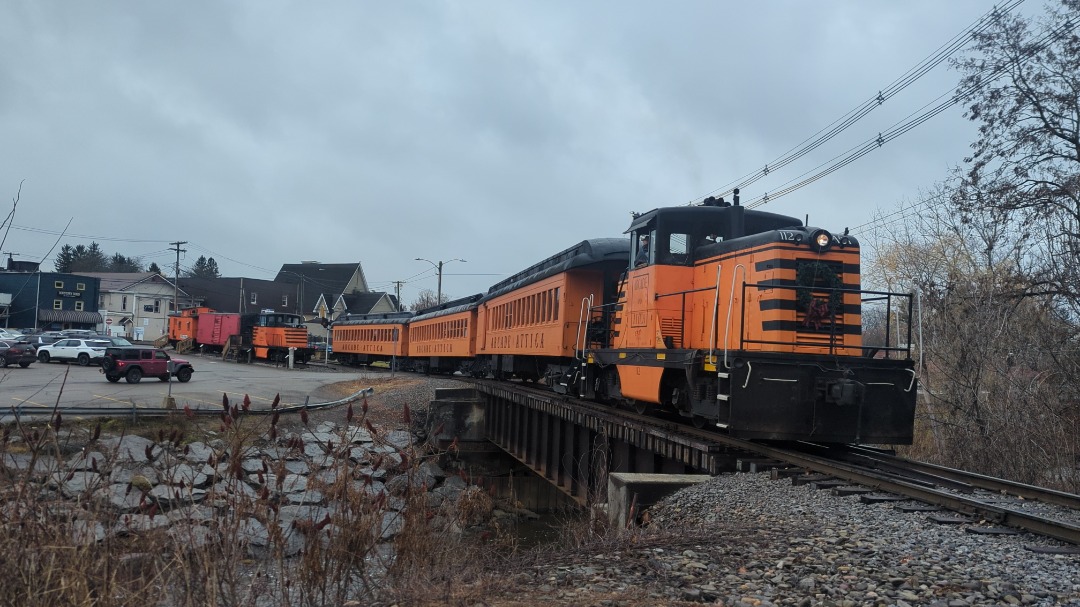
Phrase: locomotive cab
[680,236]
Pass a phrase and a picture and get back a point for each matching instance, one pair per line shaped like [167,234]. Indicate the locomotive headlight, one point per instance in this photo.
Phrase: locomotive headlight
[821,240]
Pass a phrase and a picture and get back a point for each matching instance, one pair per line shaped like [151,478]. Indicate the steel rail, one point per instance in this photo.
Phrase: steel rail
[1057,529]
[989,483]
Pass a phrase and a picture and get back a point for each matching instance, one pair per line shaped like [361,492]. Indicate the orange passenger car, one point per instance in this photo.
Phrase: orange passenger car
[443,338]
[368,338]
[533,324]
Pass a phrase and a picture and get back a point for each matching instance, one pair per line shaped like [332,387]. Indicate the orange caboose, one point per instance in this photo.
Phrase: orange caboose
[184,326]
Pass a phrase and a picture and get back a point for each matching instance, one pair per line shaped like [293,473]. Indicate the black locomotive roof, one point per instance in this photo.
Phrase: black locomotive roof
[384,318]
[788,234]
[450,307]
[753,221]
[583,254]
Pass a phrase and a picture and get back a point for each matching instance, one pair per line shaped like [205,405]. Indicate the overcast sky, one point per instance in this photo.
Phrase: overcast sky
[498,132]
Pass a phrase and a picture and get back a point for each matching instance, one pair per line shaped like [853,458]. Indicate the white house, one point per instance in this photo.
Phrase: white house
[135,305]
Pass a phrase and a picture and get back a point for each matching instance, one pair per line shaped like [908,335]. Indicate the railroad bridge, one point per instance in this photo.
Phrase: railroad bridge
[573,444]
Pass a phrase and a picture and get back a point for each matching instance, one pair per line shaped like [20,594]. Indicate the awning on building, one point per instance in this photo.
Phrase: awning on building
[69,316]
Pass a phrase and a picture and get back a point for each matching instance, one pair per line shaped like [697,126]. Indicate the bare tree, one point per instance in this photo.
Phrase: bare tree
[427,299]
[994,357]
[1020,82]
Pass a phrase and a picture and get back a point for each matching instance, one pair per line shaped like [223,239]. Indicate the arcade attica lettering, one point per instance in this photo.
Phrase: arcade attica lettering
[517,340]
[443,348]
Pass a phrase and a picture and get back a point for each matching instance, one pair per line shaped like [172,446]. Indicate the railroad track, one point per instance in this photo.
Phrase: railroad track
[990,505]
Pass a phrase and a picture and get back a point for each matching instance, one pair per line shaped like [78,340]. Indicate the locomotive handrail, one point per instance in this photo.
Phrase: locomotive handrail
[885,296]
[586,307]
[715,313]
[731,304]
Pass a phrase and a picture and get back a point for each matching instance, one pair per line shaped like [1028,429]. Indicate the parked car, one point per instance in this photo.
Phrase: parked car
[116,341]
[82,351]
[83,333]
[38,340]
[134,362]
[12,352]
[8,334]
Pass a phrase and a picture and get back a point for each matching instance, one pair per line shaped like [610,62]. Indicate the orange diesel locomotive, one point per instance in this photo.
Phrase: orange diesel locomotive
[730,317]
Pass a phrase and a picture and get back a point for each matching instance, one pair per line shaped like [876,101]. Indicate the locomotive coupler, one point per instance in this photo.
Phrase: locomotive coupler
[841,392]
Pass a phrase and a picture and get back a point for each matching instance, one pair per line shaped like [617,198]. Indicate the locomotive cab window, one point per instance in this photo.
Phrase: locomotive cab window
[644,248]
[674,249]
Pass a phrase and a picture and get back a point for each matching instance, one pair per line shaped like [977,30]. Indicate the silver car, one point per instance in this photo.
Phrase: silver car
[82,351]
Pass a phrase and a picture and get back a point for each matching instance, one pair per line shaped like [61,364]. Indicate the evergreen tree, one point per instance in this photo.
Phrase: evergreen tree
[154,268]
[64,259]
[204,268]
[121,263]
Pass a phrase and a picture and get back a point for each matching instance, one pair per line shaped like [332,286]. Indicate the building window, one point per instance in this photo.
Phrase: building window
[58,304]
[80,286]
[101,302]
[123,303]
[254,298]
[78,305]
[157,306]
[58,284]
[284,300]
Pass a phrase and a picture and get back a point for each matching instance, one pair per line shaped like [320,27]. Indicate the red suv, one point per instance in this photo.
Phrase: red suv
[133,362]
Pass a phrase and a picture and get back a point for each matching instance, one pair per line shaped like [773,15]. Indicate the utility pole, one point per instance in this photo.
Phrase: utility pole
[176,274]
[438,268]
[397,292]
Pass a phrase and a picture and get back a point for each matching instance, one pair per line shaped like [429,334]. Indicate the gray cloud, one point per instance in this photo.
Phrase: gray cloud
[270,132]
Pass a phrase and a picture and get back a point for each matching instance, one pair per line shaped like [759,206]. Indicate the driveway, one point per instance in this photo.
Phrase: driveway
[43,386]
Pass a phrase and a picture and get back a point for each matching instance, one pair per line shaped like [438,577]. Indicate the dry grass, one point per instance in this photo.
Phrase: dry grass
[73,548]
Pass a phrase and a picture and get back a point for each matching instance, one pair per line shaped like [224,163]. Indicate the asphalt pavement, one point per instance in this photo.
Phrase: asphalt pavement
[42,386]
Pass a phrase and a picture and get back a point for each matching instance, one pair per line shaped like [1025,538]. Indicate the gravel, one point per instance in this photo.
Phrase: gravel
[747,540]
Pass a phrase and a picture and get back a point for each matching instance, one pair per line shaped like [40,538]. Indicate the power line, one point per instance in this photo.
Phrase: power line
[900,129]
[847,120]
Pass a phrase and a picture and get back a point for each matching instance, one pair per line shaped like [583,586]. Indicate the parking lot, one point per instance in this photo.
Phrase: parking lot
[42,386]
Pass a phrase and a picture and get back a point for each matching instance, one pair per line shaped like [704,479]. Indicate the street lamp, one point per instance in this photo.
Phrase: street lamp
[438,266]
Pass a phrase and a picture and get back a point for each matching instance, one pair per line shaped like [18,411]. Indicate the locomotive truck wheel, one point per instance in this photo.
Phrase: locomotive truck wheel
[84,359]
[699,421]
[640,407]
[133,375]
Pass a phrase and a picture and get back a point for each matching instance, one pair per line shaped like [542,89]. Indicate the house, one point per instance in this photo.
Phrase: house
[357,303]
[135,305]
[47,300]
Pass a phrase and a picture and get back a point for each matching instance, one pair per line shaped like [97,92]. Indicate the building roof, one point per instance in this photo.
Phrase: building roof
[123,281]
[362,303]
[323,277]
[234,294]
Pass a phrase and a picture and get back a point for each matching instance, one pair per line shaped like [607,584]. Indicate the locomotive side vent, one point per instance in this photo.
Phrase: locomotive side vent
[671,330]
